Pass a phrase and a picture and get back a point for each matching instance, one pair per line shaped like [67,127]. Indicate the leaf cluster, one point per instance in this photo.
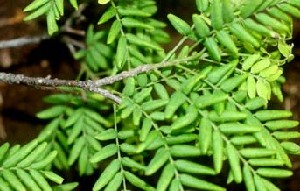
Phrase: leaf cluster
[181,126]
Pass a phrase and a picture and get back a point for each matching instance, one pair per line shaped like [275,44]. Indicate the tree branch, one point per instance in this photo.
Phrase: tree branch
[92,86]
[138,70]
[22,41]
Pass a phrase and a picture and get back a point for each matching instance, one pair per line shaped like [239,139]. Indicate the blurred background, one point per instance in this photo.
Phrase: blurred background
[18,104]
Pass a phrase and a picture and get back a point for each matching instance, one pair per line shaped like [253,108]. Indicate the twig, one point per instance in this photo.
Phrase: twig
[22,41]
[47,82]
[92,86]
[139,70]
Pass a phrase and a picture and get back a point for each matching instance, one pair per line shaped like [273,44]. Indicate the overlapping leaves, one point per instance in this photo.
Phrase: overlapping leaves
[185,124]
[27,168]
[53,9]
[71,133]
[137,36]
[221,31]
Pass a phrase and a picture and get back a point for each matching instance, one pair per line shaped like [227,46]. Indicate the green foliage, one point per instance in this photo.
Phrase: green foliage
[52,9]
[178,127]
[28,167]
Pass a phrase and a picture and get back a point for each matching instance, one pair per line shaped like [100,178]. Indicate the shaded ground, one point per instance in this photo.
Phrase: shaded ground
[20,103]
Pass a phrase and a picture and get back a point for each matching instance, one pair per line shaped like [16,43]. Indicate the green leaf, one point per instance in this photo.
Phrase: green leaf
[180,25]
[250,61]
[250,7]
[202,5]
[165,178]
[286,134]
[243,140]
[137,115]
[255,103]
[184,151]
[260,65]
[83,161]
[226,40]
[103,2]
[259,184]
[4,186]
[107,175]
[35,5]
[239,31]
[277,25]
[115,183]
[74,118]
[121,54]
[193,182]
[66,187]
[281,124]
[180,139]
[74,4]
[161,91]
[45,161]
[267,115]
[38,12]
[129,88]
[104,153]
[217,148]
[216,14]
[291,147]
[200,25]
[114,31]
[3,150]
[154,104]
[248,178]
[133,12]
[135,23]
[265,162]
[238,128]
[274,172]
[52,112]
[257,152]
[191,82]
[208,100]
[13,180]
[254,26]
[176,100]
[76,130]
[231,83]
[107,135]
[212,48]
[234,162]
[107,15]
[40,180]
[290,9]
[12,160]
[205,135]
[78,145]
[227,11]
[132,163]
[269,185]
[157,161]
[193,168]
[53,177]
[143,42]
[29,159]
[28,181]
[51,22]
[190,116]
[263,89]
[136,181]
[227,116]
[218,73]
